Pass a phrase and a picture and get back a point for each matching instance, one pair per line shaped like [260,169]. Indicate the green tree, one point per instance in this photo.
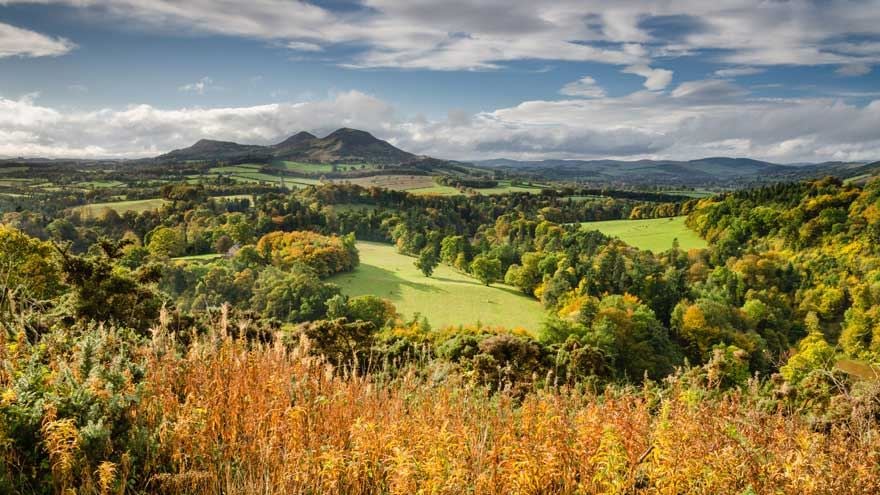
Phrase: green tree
[105,291]
[373,309]
[166,242]
[427,260]
[27,268]
[292,296]
[486,269]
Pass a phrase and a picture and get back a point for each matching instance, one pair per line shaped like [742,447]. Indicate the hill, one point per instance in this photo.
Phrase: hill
[704,171]
[341,146]
[211,150]
[723,172]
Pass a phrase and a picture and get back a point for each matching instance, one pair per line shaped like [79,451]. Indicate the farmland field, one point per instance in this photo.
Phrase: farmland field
[250,173]
[504,187]
[199,257]
[655,234]
[321,168]
[396,182]
[121,207]
[446,298]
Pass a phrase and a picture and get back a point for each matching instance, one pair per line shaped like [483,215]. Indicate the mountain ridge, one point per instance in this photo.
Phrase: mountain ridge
[344,145]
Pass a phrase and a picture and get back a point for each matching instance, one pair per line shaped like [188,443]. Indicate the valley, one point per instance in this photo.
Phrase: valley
[386,273]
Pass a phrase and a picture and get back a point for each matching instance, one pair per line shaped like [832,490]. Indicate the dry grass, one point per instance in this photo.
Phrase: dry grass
[235,419]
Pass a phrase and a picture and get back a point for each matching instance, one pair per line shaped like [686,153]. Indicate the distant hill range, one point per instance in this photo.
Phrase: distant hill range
[713,171]
[341,146]
[353,146]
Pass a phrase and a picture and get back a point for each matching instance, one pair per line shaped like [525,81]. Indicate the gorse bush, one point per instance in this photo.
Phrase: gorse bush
[100,410]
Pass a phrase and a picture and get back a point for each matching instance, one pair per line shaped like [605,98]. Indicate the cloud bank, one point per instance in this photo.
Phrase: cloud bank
[696,119]
[482,34]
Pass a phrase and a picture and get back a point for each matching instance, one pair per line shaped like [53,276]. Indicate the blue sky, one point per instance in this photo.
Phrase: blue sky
[784,81]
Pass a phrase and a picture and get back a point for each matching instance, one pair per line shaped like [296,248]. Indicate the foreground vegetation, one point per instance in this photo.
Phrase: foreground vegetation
[236,339]
[221,415]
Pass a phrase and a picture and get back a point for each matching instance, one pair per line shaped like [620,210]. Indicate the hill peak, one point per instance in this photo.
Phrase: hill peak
[353,136]
[296,140]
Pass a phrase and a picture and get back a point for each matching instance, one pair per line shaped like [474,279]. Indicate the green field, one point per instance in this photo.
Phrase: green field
[446,298]
[137,206]
[141,205]
[691,193]
[505,187]
[655,234]
[101,183]
[437,190]
[322,168]
[250,173]
[199,257]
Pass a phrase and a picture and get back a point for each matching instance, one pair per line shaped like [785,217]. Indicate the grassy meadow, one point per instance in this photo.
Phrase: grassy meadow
[448,297]
[655,234]
[137,206]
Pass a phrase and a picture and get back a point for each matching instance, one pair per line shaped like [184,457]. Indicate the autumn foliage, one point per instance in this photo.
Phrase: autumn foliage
[224,415]
[325,254]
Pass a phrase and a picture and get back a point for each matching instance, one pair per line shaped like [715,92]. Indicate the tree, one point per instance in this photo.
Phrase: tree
[339,341]
[105,291]
[486,269]
[628,331]
[814,354]
[222,244]
[427,260]
[166,242]
[294,296]
[526,277]
[26,267]
[452,247]
[373,309]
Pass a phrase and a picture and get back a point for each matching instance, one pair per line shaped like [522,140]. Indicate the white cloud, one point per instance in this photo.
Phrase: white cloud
[481,34]
[655,79]
[17,42]
[29,129]
[738,71]
[686,123]
[303,46]
[585,87]
[199,87]
[854,70]
[711,90]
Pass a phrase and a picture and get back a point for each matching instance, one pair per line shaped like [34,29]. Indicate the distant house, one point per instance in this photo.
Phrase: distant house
[231,252]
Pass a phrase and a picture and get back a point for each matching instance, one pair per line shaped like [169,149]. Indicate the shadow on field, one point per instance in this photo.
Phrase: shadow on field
[383,281]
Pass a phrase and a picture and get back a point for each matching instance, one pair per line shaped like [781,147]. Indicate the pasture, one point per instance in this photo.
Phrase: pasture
[137,206]
[446,298]
[322,168]
[655,234]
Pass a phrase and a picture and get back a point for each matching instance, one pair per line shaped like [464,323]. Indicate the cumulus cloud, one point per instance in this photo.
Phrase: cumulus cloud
[585,87]
[655,79]
[17,42]
[483,34]
[684,123]
[30,129]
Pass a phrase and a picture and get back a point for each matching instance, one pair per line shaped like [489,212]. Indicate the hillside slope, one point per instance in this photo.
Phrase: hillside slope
[341,146]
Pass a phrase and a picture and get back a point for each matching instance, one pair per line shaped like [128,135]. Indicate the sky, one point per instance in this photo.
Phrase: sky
[781,80]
